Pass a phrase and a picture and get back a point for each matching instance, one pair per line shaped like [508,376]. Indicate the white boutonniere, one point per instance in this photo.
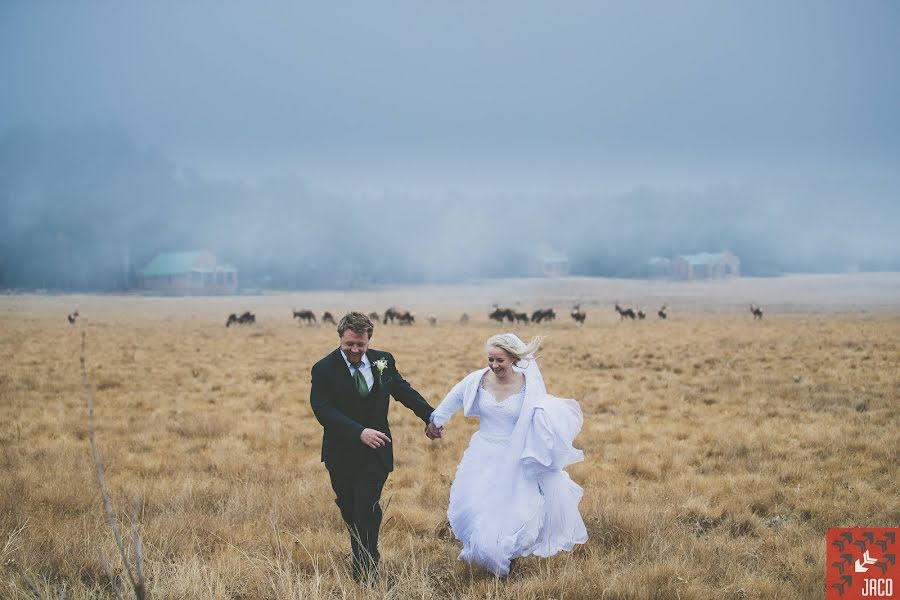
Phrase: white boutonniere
[380,364]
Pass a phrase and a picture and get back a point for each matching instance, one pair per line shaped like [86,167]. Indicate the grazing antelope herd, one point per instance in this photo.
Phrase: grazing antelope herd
[246,318]
[498,314]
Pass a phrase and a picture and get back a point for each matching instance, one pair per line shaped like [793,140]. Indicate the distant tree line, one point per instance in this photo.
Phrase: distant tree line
[86,209]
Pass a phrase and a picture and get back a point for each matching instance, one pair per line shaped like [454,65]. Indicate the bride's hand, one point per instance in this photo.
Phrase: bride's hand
[433,432]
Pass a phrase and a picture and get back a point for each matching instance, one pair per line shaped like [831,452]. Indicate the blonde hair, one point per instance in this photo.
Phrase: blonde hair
[514,346]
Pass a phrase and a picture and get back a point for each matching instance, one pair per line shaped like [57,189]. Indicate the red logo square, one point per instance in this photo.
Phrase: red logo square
[861,563]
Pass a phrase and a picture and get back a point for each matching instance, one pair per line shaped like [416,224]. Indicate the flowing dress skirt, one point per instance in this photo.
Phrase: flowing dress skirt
[544,501]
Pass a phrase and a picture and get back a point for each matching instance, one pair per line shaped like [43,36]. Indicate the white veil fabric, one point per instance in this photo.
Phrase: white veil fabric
[539,448]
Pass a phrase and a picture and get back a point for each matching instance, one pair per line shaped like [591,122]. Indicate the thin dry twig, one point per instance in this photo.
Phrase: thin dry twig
[109,574]
[137,581]
[9,547]
[11,543]
[138,547]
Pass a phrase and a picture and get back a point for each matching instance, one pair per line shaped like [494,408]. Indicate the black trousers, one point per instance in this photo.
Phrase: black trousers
[358,490]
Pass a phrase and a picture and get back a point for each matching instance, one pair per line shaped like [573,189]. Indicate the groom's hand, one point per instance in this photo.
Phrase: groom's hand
[434,432]
[374,438]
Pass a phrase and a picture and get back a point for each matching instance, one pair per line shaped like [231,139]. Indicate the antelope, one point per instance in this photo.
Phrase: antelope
[499,314]
[245,319]
[577,314]
[542,314]
[390,314]
[304,315]
[626,312]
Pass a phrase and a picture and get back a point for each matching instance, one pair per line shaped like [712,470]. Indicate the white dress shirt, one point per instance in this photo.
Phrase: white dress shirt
[366,369]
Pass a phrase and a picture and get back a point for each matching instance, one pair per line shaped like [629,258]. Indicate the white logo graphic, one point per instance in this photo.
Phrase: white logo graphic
[867,560]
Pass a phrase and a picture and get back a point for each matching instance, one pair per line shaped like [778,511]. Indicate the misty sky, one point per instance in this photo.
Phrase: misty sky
[470,95]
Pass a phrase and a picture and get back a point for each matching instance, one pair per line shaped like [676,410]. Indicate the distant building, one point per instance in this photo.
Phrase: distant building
[197,272]
[551,262]
[659,267]
[706,265]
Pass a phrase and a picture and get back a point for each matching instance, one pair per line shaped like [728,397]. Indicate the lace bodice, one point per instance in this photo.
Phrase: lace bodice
[498,419]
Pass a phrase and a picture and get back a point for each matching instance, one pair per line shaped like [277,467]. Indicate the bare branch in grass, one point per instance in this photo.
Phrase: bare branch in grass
[111,577]
[141,586]
[137,581]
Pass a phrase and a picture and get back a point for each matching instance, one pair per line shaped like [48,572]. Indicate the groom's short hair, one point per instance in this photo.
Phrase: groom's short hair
[357,322]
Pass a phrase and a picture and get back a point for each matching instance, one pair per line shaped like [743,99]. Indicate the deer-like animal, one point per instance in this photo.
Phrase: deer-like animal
[543,314]
[304,315]
[389,315]
[246,318]
[625,313]
[578,315]
[499,314]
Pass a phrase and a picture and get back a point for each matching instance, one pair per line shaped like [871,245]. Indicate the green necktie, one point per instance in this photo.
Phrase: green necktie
[361,386]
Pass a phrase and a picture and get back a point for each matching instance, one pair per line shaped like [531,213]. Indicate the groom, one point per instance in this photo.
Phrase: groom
[349,396]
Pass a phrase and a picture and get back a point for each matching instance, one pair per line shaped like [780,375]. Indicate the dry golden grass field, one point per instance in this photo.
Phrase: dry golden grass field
[718,449]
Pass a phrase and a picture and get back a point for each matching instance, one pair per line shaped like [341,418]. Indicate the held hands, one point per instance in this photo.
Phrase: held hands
[433,432]
[374,438]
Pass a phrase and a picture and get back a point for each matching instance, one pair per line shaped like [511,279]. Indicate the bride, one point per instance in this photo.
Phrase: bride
[511,497]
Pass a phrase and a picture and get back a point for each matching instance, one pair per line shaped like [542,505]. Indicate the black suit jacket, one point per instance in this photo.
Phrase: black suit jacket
[344,413]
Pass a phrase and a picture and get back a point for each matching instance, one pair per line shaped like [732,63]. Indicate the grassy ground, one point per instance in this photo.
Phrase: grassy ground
[718,449]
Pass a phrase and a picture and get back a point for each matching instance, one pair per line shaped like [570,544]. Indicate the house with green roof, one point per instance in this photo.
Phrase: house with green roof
[706,265]
[196,272]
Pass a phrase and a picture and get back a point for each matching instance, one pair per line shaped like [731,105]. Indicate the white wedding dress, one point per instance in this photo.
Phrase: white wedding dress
[510,496]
